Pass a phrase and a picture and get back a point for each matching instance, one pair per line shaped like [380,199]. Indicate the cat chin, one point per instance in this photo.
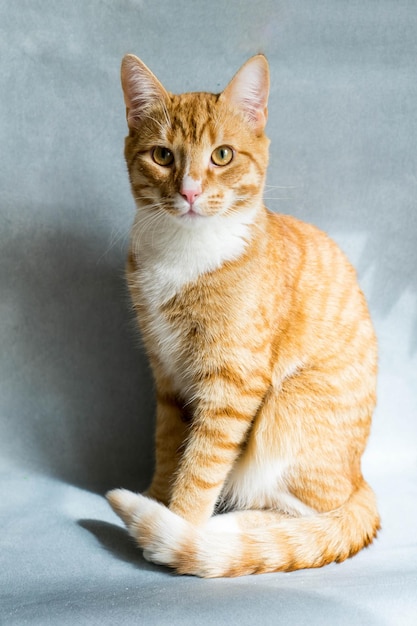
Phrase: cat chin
[192,215]
[198,212]
[192,219]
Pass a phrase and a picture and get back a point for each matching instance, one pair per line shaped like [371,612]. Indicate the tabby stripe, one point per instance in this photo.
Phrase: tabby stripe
[203,129]
[217,459]
[258,167]
[230,412]
[218,435]
[233,378]
[177,125]
[204,484]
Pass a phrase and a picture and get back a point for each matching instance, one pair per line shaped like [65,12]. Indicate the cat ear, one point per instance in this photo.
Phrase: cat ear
[249,89]
[141,89]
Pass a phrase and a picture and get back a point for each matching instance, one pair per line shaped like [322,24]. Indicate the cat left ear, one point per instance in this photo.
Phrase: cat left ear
[141,89]
[248,91]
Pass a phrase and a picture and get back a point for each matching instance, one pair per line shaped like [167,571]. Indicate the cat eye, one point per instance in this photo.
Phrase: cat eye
[162,156]
[222,155]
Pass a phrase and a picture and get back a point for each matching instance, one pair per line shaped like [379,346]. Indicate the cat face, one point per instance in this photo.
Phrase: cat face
[196,155]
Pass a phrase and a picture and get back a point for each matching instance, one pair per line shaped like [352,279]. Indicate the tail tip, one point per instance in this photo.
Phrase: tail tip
[123,503]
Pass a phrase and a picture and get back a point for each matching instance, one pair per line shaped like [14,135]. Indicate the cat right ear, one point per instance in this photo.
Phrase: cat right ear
[248,91]
[141,89]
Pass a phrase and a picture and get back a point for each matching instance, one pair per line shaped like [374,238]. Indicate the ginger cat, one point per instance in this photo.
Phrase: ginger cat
[260,341]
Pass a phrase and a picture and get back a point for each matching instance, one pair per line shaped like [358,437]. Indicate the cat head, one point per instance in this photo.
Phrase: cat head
[196,155]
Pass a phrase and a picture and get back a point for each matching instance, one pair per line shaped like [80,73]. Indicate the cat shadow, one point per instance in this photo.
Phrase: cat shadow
[116,541]
[81,390]
[266,590]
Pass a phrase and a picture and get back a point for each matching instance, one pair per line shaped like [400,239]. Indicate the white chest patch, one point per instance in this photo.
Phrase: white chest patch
[172,255]
[260,484]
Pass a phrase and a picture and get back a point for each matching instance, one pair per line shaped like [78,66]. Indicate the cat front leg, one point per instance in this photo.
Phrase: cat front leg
[215,440]
[171,431]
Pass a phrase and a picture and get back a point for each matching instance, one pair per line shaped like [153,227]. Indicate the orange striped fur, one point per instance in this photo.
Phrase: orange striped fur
[260,341]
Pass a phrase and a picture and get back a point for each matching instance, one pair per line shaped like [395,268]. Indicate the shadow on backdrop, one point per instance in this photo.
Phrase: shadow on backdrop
[224,593]
[80,399]
[117,542]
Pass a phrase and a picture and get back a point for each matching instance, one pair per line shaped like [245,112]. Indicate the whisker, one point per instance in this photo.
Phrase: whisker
[283,186]
[147,223]
[116,237]
[278,198]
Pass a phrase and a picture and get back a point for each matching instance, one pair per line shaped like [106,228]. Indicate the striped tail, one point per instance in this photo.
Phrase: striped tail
[248,542]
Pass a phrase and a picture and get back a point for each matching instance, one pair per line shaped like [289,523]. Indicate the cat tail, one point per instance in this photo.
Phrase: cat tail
[248,542]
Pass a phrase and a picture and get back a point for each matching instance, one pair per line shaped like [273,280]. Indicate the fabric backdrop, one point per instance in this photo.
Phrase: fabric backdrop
[76,397]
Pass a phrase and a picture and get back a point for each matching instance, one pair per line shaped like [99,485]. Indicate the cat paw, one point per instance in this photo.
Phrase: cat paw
[156,529]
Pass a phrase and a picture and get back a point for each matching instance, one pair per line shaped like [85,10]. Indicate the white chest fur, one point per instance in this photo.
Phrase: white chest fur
[172,255]
[260,483]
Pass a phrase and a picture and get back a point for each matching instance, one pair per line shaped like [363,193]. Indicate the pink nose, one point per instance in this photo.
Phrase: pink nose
[190,194]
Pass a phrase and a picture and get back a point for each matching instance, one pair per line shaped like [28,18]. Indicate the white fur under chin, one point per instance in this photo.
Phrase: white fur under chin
[176,251]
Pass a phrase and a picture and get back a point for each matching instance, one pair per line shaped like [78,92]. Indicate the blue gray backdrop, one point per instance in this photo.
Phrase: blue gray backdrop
[76,398]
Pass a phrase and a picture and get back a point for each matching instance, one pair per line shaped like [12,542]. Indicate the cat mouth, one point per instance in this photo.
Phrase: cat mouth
[191,214]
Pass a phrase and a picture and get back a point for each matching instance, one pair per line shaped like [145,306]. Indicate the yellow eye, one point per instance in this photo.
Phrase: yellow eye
[162,156]
[222,155]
